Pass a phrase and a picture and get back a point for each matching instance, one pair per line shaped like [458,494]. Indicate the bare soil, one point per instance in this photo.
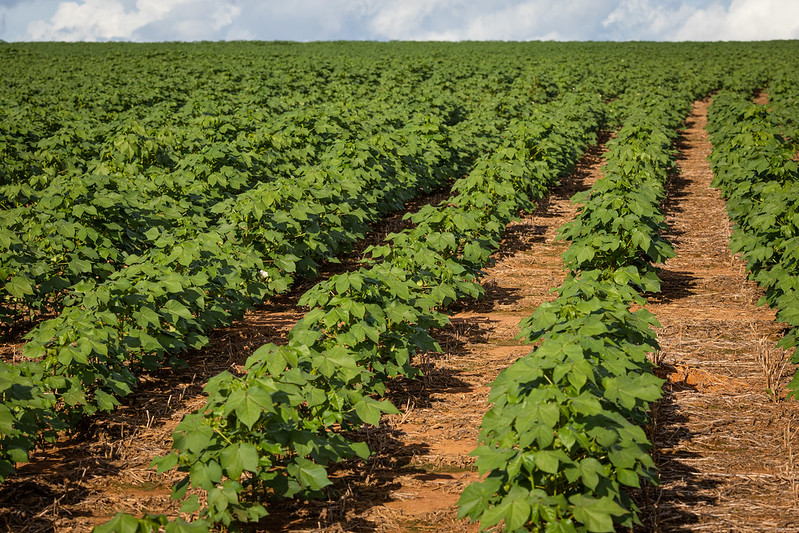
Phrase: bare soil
[725,444]
[726,439]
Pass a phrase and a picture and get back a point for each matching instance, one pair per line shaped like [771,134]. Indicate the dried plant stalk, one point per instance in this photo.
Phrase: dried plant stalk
[772,360]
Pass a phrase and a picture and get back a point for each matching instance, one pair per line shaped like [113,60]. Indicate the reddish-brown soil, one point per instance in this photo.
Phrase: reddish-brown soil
[725,442]
[725,446]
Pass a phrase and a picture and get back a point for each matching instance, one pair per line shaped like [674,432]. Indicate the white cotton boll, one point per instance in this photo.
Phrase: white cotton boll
[264,274]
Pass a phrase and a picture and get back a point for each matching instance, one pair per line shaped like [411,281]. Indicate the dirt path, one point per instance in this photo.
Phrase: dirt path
[725,446]
[103,466]
[422,464]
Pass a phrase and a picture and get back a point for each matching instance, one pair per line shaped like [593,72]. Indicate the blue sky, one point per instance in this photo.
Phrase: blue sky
[450,20]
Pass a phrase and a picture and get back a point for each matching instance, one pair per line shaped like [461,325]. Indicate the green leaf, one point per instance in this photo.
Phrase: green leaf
[148,317]
[361,449]
[205,474]
[560,526]
[590,471]
[514,509]
[80,266]
[628,477]
[342,283]
[74,395]
[121,523]
[5,238]
[181,526]
[541,433]
[596,514]
[489,458]
[191,504]
[105,401]
[249,404]
[286,263]
[177,308]
[547,461]
[586,404]
[15,453]
[548,413]
[628,390]
[192,434]
[172,284]
[475,498]
[167,462]
[6,420]
[19,287]
[309,475]
[239,457]
[368,412]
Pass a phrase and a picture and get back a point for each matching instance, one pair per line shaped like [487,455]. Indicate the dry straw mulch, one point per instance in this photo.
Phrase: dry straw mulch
[726,439]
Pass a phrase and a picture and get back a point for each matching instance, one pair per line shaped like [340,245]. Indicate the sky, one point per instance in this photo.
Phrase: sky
[382,20]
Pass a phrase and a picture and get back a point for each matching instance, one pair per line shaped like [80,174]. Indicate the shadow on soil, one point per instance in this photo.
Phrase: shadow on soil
[520,237]
[667,507]
[54,483]
[494,295]
[24,504]
[357,487]
[674,285]
[676,187]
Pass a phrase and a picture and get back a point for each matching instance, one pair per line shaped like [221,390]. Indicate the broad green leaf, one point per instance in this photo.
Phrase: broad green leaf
[310,475]
[547,461]
[249,404]
[596,513]
[19,286]
[205,474]
[181,526]
[192,434]
[475,498]
[121,523]
[239,457]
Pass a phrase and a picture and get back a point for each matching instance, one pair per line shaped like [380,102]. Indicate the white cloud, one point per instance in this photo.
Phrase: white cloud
[91,20]
[743,20]
[305,20]
[498,20]
[539,20]
[406,20]
[647,20]
[729,20]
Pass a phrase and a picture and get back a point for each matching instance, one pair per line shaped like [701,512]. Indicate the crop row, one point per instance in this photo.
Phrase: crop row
[148,193]
[563,439]
[144,226]
[90,175]
[783,100]
[272,432]
[133,190]
[194,278]
[755,166]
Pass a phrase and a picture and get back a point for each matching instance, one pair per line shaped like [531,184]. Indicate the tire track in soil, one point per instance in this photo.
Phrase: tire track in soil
[726,449]
[422,463]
